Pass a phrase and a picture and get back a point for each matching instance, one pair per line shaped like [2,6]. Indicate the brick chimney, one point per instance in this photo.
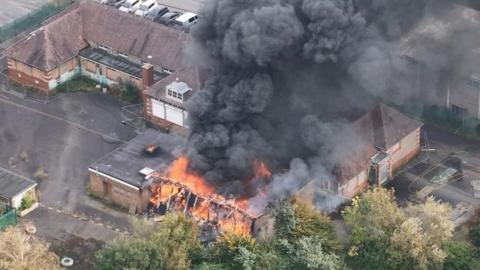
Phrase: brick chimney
[147,75]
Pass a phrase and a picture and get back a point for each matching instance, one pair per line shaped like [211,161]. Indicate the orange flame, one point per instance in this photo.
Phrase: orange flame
[232,215]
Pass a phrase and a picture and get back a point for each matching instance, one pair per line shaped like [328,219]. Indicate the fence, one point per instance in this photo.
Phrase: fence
[459,123]
[8,216]
[33,19]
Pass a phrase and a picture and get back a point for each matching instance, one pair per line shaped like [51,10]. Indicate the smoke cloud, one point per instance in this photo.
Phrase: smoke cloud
[288,78]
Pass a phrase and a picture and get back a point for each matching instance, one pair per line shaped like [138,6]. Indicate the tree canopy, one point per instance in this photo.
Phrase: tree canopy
[166,246]
[384,236]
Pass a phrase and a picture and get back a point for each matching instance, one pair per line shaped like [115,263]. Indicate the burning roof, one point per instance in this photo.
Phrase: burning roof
[177,189]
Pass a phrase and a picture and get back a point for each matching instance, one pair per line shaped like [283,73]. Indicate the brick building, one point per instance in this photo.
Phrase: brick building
[164,102]
[97,41]
[390,139]
[122,175]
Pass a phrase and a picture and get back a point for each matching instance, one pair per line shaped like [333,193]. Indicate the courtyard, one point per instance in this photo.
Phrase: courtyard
[55,143]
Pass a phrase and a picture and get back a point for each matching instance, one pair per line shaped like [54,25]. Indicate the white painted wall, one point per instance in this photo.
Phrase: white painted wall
[63,78]
[174,115]
[158,108]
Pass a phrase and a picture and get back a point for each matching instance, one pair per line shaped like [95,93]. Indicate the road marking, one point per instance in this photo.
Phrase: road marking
[60,119]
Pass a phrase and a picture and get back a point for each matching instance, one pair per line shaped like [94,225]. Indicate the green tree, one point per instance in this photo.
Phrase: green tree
[384,236]
[461,256]
[308,253]
[295,220]
[168,246]
[240,252]
[474,234]
[130,253]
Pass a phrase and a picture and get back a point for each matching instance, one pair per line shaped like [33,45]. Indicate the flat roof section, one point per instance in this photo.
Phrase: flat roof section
[126,162]
[118,63]
[12,184]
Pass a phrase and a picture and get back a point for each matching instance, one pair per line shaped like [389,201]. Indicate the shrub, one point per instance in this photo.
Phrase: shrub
[27,202]
[475,234]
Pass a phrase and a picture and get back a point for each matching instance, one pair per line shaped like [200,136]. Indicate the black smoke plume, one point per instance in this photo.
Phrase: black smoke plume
[288,76]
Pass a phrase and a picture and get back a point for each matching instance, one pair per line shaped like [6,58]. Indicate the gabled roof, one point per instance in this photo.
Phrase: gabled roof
[53,44]
[12,184]
[379,129]
[62,37]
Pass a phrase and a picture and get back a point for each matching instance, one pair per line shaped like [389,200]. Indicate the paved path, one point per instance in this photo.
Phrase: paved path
[59,225]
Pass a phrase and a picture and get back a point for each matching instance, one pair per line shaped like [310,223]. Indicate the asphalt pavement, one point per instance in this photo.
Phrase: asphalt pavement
[14,9]
[63,138]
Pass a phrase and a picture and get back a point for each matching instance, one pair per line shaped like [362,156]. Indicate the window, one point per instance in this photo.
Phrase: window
[166,70]
[457,110]
[180,96]
[473,82]
[174,94]
[395,148]
[103,47]
[170,92]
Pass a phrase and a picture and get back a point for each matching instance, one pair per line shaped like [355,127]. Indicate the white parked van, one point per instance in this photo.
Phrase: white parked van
[147,7]
[130,6]
[186,19]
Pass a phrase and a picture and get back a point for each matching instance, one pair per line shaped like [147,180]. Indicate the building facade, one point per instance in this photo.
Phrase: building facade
[389,141]
[122,176]
[164,102]
[99,42]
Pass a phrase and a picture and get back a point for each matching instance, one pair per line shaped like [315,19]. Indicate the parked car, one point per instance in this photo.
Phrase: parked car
[130,6]
[145,7]
[168,17]
[153,16]
[114,3]
[186,20]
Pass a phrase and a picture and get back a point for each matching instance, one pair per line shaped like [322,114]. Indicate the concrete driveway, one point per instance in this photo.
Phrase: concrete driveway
[62,139]
[446,150]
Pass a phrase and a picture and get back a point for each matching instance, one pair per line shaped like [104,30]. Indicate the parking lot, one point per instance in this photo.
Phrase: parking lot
[13,9]
[183,5]
[55,143]
[444,170]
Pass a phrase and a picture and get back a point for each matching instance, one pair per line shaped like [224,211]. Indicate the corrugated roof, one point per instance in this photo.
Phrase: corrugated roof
[11,184]
[64,36]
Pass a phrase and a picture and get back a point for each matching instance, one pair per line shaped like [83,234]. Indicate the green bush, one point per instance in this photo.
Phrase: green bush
[27,202]
[475,234]
[129,92]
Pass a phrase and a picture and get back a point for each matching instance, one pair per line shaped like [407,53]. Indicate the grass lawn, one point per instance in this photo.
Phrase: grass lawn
[81,83]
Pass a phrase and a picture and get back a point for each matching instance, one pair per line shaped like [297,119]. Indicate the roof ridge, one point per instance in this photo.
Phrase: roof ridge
[17,175]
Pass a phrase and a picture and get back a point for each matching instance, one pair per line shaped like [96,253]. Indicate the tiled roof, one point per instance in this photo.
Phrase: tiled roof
[192,76]
[65,35]
[381,128]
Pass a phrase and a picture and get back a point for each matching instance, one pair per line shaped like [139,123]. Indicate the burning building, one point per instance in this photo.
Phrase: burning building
[295,84]
[178,189]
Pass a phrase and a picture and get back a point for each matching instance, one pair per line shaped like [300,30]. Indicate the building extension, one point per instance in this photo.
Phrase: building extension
[122,176]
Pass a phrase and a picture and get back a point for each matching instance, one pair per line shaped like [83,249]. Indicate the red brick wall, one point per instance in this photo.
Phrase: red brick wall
[27,80]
